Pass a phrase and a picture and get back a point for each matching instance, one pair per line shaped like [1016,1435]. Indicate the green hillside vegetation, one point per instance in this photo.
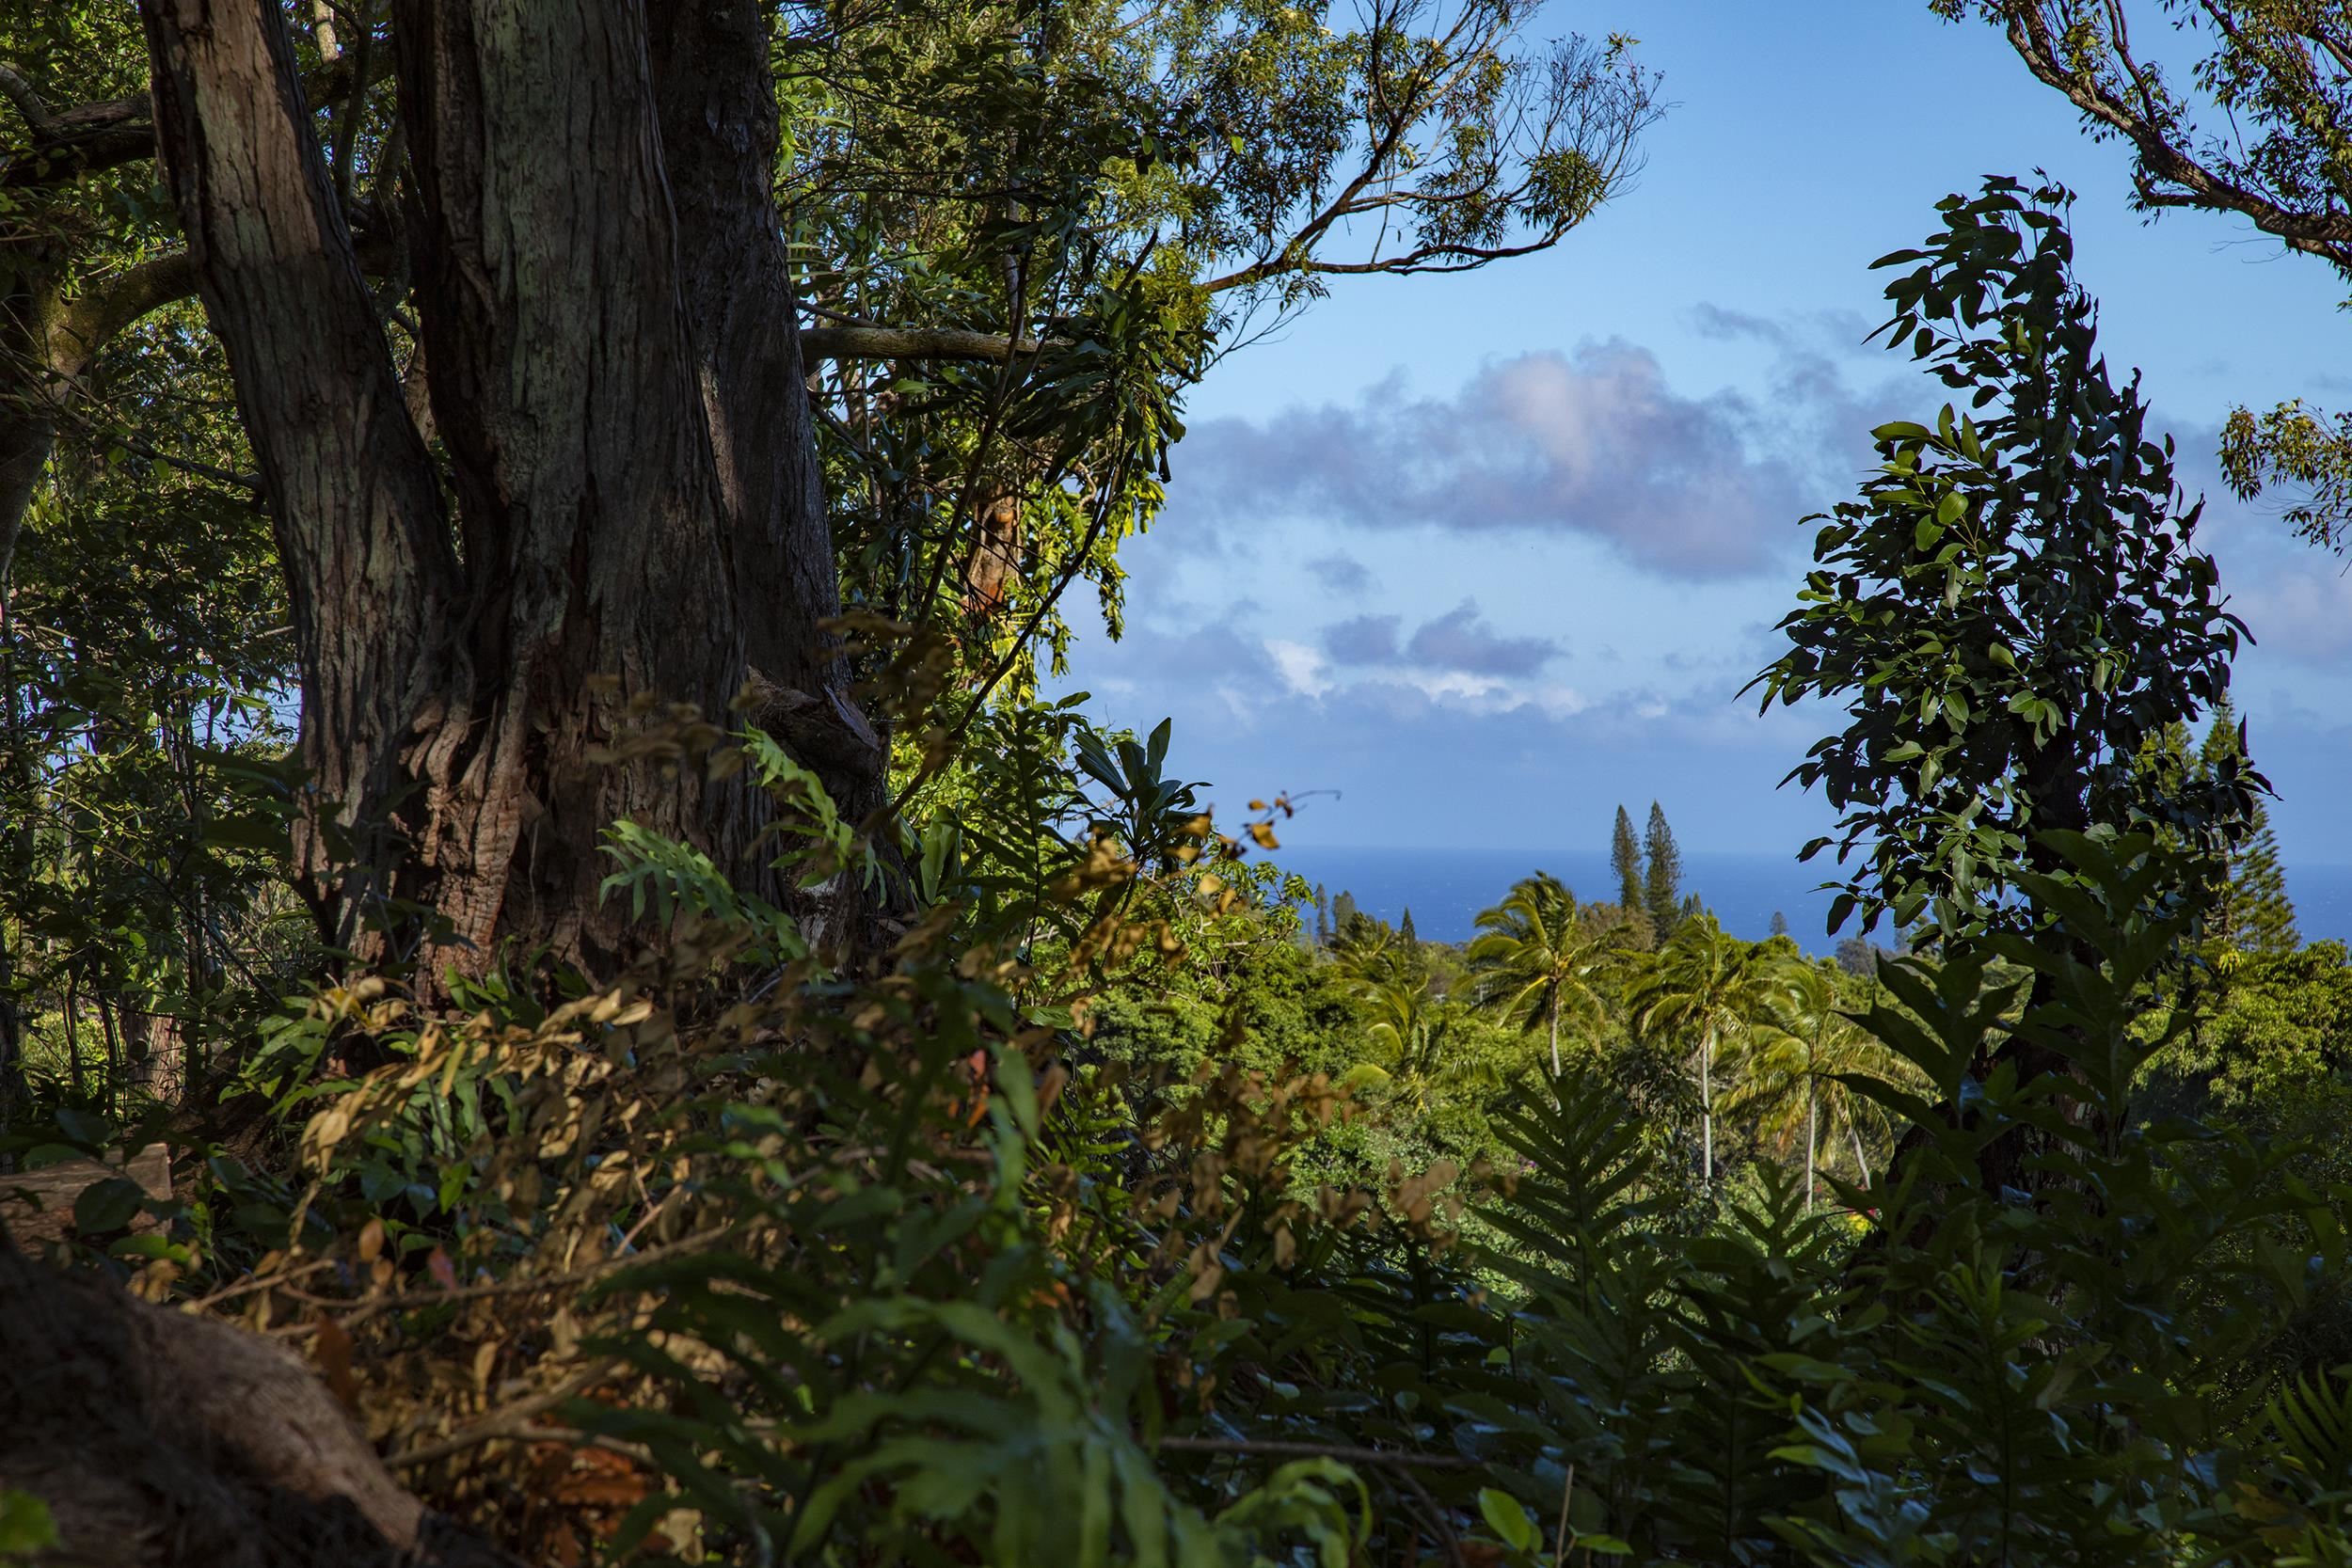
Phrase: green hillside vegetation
[669,1046]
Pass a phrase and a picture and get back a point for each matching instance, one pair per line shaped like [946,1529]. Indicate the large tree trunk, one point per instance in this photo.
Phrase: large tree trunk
[358,516]
[614,373]
[719,139]
[563,378]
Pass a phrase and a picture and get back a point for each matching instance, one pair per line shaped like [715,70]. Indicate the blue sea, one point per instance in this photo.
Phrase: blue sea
[1447,888]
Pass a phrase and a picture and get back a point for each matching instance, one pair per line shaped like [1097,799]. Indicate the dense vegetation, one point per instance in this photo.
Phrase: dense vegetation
[846,1108]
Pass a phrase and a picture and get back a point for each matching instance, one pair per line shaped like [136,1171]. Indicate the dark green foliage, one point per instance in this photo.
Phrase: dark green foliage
[2012,610]
[1662,880]
[143,798]
[1625,859]
[2250,907]
[1103,1218]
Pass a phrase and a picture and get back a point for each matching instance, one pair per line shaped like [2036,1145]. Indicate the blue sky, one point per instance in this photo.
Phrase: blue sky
[1489,554]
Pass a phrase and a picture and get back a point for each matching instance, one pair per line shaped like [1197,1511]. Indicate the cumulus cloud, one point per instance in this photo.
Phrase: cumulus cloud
[1303,670]
[1592,442]
[1365,639]
[2306,615]
[1459,639]
[1341,573]
[1458,644]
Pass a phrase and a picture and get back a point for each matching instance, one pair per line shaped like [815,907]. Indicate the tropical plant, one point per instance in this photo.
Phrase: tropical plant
[2013,611]
[1798,1060]
[1536,960]
[1702,987]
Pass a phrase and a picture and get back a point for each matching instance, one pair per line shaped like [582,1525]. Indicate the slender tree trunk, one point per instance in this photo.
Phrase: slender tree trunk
[16,857]
[74,1032]
[1707,1107]
[13,1089]
[1812,1139]
[29,298]
[114,1053]
[1861,1161]
[1553,1019]
[158,1054]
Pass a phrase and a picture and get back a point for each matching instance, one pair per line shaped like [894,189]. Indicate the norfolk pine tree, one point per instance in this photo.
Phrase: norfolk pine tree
[1661,885]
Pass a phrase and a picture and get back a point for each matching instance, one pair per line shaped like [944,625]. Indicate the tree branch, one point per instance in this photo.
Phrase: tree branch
[509,1420]
[104,310]
[909,343]
[2328,236]
[21,92]
[92,137]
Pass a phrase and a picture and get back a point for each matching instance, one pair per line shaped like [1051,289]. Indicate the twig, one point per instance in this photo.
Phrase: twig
[1438,1517]
[505,1423]
[245,1287]
[1560,1536]
[1320,1451]
[368,1306]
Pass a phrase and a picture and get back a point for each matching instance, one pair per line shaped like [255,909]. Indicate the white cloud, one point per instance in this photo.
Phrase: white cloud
[1302,669]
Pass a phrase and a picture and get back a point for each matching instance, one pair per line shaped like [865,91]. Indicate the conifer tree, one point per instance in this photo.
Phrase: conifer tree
[2251,911]
[1625,858]
[1661,890]
[2267,914]
[1780,924]
[1404,928]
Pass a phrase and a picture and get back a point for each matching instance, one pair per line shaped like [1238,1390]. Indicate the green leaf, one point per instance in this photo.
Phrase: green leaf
[27,1529]
[1508,1519]
[108,1206]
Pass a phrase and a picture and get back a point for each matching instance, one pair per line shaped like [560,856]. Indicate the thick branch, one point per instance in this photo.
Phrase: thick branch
[2327,235]
[21,92]
[107,309]
[92,137]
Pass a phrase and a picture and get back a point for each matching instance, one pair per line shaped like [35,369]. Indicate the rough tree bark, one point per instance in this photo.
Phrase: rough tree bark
[718,138]
[614,373]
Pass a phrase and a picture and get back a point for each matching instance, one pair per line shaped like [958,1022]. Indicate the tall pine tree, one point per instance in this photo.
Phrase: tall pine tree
[1661,887]
[1625,858]
[2251,911]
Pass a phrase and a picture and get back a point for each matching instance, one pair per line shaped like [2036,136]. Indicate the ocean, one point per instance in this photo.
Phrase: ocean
[1447,888]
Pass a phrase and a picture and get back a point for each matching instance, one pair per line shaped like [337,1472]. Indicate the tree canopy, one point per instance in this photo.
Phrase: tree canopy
[2241,107]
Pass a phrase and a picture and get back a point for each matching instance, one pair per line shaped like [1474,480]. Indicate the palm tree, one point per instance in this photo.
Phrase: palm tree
[1797,1042]
[1536,959]
[1701,985]
[1409,1024]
